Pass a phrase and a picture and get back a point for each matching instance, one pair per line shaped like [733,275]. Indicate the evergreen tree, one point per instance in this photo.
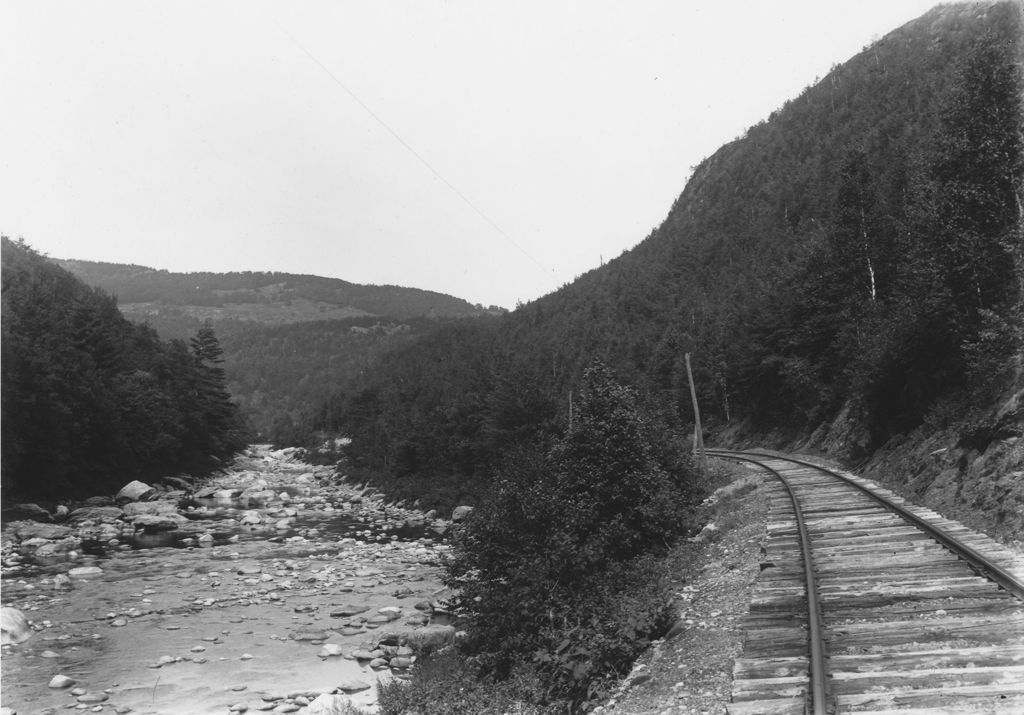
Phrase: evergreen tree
[91,401]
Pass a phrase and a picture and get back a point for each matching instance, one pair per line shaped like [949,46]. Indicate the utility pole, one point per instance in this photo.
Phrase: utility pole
[698,434]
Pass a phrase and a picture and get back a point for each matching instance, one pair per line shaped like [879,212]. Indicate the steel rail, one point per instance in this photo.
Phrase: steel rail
[820,695]
[980,562]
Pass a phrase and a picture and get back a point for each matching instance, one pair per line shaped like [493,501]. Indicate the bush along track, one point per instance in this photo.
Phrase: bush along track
[559,574]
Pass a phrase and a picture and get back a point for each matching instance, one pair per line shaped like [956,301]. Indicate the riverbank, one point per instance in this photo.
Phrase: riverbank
[278,587]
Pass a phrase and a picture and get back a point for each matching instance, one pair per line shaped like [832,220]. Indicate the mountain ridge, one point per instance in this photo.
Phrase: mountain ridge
[145,292]
[828,262]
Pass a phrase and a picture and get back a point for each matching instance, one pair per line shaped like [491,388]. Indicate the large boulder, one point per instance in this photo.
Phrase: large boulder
[14,626]
[135,491]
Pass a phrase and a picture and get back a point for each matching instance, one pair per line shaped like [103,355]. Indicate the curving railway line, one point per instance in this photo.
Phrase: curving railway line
[868,604]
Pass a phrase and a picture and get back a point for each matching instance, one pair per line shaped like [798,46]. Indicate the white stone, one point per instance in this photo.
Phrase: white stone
[135,491]
[85,571]
[329,705]
[61,681]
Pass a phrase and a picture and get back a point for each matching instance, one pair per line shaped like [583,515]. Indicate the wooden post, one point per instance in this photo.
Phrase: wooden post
[698,434]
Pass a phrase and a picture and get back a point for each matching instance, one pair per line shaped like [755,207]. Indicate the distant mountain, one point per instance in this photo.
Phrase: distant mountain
[271,298]
[850,268]
[287,339]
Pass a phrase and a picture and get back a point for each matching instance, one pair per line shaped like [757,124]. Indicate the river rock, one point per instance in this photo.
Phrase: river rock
[259,497]
[24,530]
[14,626]
[250,518]
[31,512]
[329,705]
[157,508]
[59,682]
[106,532]
[85,571]
[96,514]
[135,491]
[329,650]
[152,523]
[459,513]
[432,636]
[41,549]
[354,686]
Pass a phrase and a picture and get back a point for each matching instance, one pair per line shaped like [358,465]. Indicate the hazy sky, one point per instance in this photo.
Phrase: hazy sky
[489,149]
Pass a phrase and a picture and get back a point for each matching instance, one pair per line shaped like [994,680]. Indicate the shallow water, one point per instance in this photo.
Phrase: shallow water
[232,621]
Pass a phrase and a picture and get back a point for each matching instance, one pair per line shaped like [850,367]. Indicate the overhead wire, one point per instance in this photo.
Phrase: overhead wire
[408,147]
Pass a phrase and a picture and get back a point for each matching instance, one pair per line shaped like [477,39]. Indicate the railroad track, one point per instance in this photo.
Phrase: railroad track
[868,604]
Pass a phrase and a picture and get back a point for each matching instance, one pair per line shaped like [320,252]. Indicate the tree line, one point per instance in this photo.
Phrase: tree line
[92,400]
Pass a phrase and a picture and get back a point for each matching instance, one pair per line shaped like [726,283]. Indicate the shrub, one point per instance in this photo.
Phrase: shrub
[558,566]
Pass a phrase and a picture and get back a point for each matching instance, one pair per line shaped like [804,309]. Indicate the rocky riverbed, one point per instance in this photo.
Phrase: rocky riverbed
[276,587]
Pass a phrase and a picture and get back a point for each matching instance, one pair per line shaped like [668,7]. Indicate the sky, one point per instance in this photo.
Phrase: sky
[490,149]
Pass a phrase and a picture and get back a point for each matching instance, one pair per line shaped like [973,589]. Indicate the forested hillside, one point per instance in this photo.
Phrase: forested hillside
[92,400]
[287,339]
[276,372]
[859,253]
[262,297]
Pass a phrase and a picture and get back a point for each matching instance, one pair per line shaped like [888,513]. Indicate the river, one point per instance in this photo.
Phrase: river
[256,599]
